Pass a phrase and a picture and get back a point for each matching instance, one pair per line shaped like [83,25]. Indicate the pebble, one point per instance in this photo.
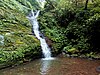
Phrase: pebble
[98,69]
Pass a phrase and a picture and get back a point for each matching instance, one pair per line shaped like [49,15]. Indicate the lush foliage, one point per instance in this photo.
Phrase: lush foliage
[19,44]
[71,27]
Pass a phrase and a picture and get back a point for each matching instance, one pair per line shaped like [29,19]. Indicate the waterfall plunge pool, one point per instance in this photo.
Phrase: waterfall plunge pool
[57,66]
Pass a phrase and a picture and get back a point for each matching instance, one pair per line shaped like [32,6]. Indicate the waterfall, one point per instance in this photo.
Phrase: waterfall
[33,20]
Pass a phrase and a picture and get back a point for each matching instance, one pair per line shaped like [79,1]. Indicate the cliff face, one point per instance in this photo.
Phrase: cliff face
[16,39]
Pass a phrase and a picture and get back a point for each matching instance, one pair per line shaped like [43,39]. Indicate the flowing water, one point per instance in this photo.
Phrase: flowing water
[33,20]
[59,66]
[45,48]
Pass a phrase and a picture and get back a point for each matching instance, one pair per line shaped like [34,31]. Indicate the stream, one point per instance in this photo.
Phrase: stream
[57,66]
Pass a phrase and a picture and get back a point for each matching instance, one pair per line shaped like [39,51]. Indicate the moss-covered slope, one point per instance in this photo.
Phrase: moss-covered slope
[16,39]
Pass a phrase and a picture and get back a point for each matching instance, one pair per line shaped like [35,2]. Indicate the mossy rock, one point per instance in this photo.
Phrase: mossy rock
[70,49]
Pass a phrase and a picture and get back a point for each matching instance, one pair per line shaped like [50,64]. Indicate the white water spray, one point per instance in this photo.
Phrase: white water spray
[45,48]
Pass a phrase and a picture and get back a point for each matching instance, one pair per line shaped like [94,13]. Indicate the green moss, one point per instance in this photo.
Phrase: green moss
[16,29]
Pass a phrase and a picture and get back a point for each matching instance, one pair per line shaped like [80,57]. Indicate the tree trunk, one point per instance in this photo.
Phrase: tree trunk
[86,4]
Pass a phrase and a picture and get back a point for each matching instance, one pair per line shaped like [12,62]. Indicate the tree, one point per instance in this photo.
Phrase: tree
[86,4]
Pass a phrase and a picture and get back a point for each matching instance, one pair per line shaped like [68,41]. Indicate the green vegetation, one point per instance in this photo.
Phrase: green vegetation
[19,43]
[71,25]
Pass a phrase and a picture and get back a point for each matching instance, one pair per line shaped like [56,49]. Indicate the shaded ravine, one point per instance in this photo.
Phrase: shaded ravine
[59,66]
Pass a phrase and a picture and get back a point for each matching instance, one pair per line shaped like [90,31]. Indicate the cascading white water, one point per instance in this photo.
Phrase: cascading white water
[45,48]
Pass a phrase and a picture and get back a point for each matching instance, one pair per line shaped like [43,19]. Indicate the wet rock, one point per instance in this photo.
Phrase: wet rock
[98,69]
[1,40]
[49,42]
